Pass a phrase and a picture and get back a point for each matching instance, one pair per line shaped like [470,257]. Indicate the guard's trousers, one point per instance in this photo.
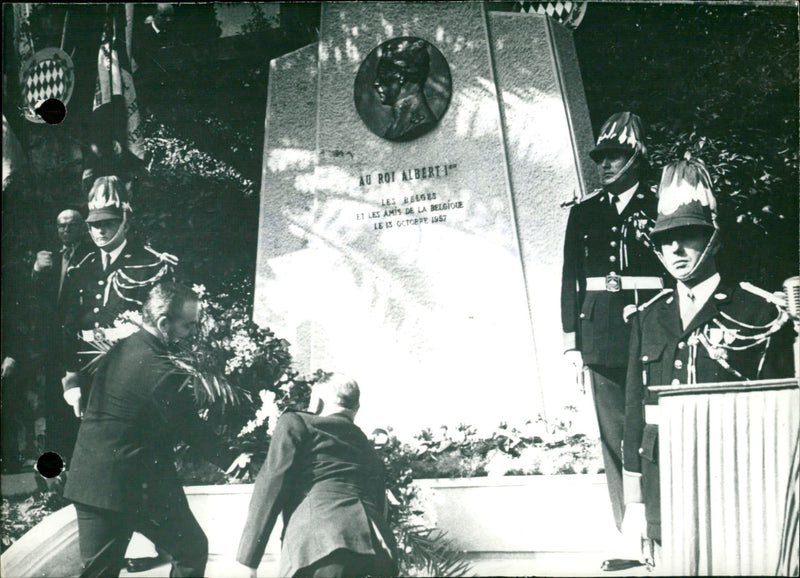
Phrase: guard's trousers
[608,390]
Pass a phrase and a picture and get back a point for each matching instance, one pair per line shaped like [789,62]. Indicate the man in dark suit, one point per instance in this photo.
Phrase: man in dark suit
[123,478]
[325,477]
[48,275]
[706,330]
[112,279]
[608,266]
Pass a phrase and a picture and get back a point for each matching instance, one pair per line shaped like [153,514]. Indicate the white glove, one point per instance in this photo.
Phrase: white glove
[574,361]
[73,396]
[9,363]
[634,523]
[574,358]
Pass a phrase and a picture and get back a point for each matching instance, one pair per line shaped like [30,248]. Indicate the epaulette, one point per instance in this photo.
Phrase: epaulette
[167,258]
[577,201]
[765,295]
[79,263]
[631,310]
[647,304]
[591,195]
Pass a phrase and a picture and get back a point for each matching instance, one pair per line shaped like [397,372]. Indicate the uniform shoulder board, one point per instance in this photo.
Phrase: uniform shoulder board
[577,201]
[163,257]
[591,195]
[81,262]
[643,306]
[765,295]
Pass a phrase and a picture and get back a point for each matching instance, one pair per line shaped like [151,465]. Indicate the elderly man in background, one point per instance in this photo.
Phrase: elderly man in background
[325,477]
[48,274]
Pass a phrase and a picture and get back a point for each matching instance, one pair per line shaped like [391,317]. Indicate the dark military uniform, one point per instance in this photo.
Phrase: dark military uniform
[662,353]
[94,298]
[607,266]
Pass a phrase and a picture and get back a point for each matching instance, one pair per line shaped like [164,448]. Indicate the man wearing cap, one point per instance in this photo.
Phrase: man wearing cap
[608,266]
[48,274]
[705,330]
[112,279]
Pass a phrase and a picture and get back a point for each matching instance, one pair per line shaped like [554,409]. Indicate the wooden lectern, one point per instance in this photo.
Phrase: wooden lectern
[725,453]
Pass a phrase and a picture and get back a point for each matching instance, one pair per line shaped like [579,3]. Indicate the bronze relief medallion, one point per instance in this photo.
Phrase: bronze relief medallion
[402,88]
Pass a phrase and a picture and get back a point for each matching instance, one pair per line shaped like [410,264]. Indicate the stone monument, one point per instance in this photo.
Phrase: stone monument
[415,161]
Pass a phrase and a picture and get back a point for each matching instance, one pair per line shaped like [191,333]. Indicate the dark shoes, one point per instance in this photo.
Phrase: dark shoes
[616,564]
[134,565]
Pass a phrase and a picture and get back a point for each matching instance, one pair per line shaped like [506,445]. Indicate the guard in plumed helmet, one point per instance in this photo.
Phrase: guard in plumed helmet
[608,266]
[706,330]
[112,279]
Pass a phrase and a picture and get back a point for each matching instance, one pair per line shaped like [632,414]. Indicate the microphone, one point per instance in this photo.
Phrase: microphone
[792,289]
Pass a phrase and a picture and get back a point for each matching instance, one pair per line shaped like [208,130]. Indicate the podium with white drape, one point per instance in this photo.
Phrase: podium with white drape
[725,455]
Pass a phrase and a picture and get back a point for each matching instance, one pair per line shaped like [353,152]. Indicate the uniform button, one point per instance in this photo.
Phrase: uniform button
[681,345]
[612,272]
[101,282]
[613,243]
[678,364]
[645,358]
[641,451]
[96,310]
[96,324]
[612,259]
[614,229]
[676,382]
[98,296]
[582,316]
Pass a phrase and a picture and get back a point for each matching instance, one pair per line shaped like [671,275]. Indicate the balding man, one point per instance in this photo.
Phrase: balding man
[49,271]
[325,477]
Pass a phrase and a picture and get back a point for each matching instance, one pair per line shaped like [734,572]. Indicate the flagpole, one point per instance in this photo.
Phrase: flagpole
[64,29]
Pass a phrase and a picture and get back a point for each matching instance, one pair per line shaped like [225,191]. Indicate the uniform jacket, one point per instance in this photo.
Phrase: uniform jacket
[324,476]
[93,298]
[597,243]
[137,411]
[660,353]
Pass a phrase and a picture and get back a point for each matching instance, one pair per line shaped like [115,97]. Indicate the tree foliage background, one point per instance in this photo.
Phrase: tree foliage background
[718,80]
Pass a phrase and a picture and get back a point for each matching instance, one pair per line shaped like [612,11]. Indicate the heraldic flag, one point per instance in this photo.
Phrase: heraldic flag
[117,141]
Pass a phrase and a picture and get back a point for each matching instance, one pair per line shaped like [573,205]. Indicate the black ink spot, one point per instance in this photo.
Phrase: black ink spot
[50,465]
[52,111]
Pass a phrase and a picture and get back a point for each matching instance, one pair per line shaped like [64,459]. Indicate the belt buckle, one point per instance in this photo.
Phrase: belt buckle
[613,283]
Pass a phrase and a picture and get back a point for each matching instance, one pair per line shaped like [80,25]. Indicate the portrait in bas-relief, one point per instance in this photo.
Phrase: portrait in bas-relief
[403,88]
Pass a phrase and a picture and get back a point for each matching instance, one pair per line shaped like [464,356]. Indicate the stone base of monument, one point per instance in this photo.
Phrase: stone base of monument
[510,526]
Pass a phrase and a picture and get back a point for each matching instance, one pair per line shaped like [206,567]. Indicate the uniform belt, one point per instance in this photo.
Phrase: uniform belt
[112,334]
[652,414]
[615,283]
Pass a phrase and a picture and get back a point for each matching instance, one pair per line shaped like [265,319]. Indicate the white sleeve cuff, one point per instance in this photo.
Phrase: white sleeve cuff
[632,487]
[72,395]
